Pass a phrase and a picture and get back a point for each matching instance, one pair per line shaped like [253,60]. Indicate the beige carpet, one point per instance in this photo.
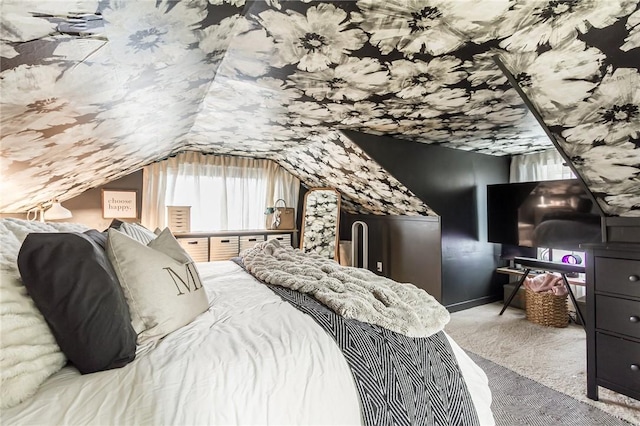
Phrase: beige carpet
[555,357]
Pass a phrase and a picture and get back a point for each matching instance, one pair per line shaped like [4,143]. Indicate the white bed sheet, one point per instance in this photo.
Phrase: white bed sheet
[250,359]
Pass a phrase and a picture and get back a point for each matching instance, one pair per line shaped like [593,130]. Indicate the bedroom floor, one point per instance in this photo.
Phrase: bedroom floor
[554,357]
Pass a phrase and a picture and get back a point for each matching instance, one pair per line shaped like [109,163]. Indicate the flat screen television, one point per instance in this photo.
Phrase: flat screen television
[552,214]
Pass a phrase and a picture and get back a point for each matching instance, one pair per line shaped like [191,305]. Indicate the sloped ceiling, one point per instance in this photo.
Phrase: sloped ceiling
[87,98]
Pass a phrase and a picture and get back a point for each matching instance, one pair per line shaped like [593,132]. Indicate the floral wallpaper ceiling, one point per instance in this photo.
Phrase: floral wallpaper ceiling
[365,187]
[93,90]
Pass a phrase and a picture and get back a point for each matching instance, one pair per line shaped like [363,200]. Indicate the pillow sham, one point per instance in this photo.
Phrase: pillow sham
[160,283]
[73,284]
[20,228]
[137,232]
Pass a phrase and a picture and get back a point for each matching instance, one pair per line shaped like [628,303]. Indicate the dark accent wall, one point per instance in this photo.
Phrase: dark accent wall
[408,248]
[453,183]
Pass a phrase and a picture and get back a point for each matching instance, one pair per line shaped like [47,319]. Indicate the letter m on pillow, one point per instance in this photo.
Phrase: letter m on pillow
[192,282]
[149,276]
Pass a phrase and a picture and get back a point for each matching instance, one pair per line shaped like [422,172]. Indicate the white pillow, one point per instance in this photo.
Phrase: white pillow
[29,353]
[20,228]
[160,282]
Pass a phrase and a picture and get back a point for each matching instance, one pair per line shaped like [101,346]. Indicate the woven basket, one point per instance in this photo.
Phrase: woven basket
[547,309]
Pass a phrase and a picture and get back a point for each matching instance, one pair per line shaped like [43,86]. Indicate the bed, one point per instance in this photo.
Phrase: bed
[250,358]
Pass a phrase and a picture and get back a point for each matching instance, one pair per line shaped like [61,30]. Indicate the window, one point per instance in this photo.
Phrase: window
[225,193]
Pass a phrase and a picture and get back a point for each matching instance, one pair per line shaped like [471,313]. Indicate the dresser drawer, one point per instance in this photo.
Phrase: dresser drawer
[248,241]
[198,248]
[617,276]
[614,314]
[223,248]
[284,239]
[615,357]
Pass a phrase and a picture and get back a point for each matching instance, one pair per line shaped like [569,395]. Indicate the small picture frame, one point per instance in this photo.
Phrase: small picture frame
[119,204]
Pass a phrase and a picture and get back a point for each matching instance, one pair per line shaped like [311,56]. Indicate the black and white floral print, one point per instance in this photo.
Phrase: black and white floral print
[611,114]
[436,27]
[320,222]
[151,35]
[632,41]
[556,22]
[354,79]
[334,161]
[413,79]
[313,41]
[561,76]
[280,79]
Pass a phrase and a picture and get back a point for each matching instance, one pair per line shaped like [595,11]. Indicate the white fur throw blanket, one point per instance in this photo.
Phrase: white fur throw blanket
[28,351]
[350,292]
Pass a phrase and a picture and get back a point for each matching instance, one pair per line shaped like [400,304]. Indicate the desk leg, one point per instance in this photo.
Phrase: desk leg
[515,290]
[573,299]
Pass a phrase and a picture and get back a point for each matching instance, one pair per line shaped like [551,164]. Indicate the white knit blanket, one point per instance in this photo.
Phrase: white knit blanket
[350,292]
[28,351]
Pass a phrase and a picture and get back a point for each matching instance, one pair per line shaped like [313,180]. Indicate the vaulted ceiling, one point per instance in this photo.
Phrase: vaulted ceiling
[94,90]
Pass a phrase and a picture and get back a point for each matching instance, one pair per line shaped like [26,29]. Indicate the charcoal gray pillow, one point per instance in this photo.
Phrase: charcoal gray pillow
[71,281]
[160,282]
[99,238]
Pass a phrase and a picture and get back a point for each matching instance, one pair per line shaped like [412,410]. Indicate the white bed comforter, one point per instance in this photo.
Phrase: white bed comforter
[251,359]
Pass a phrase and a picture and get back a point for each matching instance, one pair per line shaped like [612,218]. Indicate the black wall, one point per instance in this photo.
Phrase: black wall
[407,247]
[453,183]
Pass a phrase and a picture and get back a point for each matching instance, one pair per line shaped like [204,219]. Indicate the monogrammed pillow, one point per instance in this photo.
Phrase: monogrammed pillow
[160,283]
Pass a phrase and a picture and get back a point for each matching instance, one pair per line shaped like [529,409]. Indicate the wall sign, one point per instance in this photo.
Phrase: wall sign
[120,204]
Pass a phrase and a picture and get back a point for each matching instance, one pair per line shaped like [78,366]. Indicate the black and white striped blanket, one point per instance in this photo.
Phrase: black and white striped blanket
[400,380]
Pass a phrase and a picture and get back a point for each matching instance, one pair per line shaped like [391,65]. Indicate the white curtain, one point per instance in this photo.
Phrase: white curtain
[225,193]
[545,165]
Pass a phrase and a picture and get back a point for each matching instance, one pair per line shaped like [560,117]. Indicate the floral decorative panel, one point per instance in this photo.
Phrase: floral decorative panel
[320,222]
[95,89]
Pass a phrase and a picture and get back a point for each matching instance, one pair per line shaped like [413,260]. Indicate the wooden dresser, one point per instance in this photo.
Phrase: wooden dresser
[613,318]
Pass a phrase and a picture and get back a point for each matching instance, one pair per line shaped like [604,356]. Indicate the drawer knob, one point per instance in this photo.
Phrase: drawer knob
[635,367]
[633,278]
[634,318]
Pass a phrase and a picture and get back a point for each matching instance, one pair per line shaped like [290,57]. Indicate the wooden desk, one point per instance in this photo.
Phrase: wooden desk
[562,268]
